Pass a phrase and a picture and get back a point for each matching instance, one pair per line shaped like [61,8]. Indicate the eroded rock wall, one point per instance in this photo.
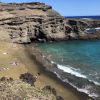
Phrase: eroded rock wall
[36,21]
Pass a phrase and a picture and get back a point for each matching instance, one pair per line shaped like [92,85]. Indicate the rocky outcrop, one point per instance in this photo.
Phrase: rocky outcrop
[36,21]
[28,78]
[79,26]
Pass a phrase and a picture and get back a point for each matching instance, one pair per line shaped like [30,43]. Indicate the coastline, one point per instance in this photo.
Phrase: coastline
[25,56]
[21,26]
[45,68]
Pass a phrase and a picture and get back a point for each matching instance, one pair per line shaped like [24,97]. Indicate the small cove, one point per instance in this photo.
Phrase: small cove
[79,58]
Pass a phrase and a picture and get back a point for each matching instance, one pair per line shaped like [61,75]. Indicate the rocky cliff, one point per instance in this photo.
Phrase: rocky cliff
[26,22]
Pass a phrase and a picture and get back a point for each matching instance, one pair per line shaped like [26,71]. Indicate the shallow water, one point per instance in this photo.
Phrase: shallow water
[78,57]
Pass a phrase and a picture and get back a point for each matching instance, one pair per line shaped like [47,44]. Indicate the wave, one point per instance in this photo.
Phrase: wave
[73,71]
[86,89]
[70,70]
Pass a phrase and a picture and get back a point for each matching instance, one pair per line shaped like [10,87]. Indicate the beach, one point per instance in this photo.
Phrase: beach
[48,77]
[59,54]
[16,59]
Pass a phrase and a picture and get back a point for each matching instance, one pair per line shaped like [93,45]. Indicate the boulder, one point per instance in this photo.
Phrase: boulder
[29,78]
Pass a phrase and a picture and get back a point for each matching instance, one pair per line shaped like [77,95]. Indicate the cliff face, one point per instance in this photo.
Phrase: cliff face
[79,27]
[36,21]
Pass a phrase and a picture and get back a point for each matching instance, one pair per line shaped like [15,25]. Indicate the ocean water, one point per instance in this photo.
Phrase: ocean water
[79,59]
[85,17]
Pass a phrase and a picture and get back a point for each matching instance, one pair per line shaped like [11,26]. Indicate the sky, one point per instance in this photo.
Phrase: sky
[70,7]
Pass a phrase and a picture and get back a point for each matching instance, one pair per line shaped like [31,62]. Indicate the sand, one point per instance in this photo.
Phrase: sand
[15,60]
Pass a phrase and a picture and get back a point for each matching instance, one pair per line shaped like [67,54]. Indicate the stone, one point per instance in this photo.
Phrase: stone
[50,89]
[29,22]
[29,78]
[59,98]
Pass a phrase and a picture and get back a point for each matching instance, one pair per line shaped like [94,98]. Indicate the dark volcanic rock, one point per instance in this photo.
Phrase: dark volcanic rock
[36,21]
[29,78]
[59,98]
[50,89]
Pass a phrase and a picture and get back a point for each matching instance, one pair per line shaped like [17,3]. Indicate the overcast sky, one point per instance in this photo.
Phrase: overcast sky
[70,7]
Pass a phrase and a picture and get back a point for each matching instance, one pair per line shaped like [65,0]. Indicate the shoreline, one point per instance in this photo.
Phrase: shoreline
[37,55]
[26,62]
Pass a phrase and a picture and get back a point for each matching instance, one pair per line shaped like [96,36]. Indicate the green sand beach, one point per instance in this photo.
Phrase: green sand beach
[10,52]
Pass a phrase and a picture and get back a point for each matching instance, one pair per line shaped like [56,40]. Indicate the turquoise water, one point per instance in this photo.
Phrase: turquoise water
[78,57]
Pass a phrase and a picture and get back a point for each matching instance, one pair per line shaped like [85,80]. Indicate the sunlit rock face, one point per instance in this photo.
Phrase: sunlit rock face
[28,22]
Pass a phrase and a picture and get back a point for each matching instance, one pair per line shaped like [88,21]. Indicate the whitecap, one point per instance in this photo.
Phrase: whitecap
[85,90]
[74,71]
[70,70]
[96,83]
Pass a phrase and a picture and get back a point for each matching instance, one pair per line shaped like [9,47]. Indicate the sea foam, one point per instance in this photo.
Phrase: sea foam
[73,71]
[70,70]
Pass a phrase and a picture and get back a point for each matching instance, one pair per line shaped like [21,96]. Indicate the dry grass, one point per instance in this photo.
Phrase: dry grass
[18,90]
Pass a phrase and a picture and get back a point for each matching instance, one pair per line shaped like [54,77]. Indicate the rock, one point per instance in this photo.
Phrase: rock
[59,98]
[3,79]
[50,89]
[28,22]
[29,78]
[6,79]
